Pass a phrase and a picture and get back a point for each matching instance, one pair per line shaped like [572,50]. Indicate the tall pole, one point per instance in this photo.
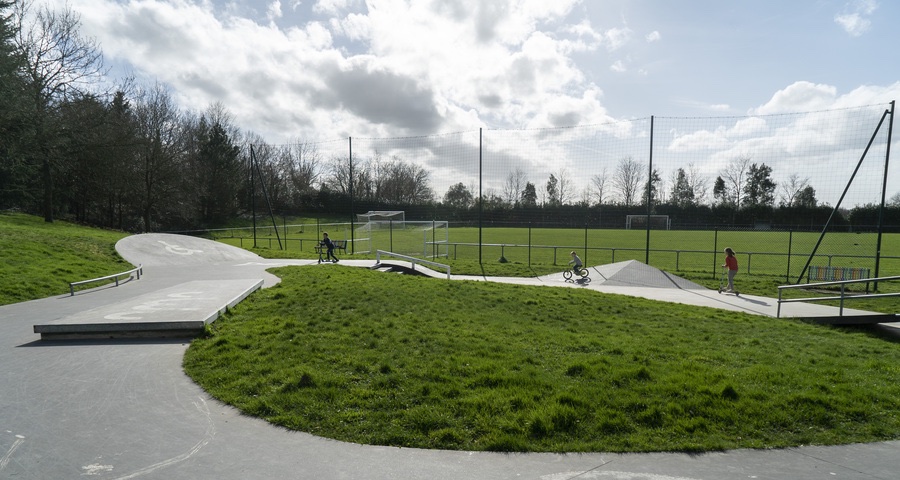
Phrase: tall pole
[887,158]
[350,189]
[846,188]
[649,187]
[480,194]
[253,195]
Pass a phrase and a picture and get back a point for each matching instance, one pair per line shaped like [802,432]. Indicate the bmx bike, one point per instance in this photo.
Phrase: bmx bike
[583,275]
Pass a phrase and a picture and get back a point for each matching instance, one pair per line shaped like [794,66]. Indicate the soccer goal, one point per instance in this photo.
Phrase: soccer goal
[381,219]
[390,231]
[639,222]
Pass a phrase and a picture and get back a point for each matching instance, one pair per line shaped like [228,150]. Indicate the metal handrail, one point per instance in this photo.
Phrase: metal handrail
[841,297]
[412,260]
[139,270]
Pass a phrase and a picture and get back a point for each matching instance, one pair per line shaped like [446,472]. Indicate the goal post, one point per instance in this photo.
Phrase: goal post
[391,231]
[640,222]
[436,240]
[381,219]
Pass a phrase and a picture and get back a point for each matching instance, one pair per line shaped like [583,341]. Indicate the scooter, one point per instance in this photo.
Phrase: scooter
[722,288]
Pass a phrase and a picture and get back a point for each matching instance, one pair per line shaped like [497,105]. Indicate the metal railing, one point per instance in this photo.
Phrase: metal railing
[137,270]
[843,296]
[412,260]
[709,260]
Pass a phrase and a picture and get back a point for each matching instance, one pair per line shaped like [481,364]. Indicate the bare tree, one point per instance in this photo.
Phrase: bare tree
[698,183]
[515,184]
[159,155]
[401,182]
[628,179]
[564,186]
[586,195]
[791,188]
[734,177]
[599,182]
[303,162]
[894,201]
[270,160]
[60,65]
[338,173]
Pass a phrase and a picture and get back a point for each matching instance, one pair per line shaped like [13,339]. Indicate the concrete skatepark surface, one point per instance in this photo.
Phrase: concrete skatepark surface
[123,408]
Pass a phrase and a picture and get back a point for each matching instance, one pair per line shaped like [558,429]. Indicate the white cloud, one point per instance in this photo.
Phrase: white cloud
[853,23]
[653,36]
[855,19]
[389,67]
[616,38]
[799,97]
[273,12]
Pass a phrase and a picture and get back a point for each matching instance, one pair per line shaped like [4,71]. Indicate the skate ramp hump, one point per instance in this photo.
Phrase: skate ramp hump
[632,273]
[165,249]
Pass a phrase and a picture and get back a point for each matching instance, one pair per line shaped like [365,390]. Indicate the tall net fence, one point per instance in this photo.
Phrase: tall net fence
[765,185]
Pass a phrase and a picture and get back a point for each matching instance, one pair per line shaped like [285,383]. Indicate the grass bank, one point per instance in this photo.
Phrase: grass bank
[39,259]
[415,362]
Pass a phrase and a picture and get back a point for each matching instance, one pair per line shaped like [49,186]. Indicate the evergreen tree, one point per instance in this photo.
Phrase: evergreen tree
[529,195]
[759,189]
[682,192]
[806,197]
[458,196]
[553,190]
[14,172]
[720,192]
[220,168]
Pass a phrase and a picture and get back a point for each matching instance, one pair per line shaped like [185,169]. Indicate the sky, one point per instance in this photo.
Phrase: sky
[311,70]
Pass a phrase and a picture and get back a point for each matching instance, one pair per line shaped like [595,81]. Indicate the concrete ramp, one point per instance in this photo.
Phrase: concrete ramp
[182,310]
[632,273]
[165,249]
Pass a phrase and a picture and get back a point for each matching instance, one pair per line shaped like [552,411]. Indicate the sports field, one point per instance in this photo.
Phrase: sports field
[759,252]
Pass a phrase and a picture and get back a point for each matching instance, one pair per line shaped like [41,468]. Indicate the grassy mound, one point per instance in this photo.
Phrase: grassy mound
[367,357]
[40,259]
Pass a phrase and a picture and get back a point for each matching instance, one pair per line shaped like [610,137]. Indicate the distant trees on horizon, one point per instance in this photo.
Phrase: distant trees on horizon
[130,159]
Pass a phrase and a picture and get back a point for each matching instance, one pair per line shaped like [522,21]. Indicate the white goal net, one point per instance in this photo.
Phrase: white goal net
[381,219]
[639,222]
[393,233]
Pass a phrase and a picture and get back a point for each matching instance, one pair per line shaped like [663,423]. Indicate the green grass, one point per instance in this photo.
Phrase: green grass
[762,284]
[396,360]
[482,366]
[39,259]
[759,252]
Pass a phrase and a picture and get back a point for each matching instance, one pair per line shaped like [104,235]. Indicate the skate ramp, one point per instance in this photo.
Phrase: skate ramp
[163,249]
[632,273]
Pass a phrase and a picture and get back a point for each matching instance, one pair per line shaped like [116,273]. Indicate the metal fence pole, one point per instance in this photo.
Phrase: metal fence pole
[529,244]
[715,250]
[585,242]
[787,273]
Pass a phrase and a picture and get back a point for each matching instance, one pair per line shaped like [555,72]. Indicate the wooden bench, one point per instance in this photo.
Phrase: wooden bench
[835,274]
[338,245]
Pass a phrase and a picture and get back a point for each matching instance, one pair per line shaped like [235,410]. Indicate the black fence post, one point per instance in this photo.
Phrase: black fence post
[529,244]
[787,274]
[585,242]
[715,250]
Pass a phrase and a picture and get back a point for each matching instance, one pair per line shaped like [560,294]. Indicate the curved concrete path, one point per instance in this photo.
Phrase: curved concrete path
[123,409]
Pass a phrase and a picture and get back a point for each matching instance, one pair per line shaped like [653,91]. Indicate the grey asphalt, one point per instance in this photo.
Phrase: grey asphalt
[123,408]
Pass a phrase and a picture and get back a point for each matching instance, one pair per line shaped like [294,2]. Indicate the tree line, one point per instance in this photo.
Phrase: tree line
[127,157]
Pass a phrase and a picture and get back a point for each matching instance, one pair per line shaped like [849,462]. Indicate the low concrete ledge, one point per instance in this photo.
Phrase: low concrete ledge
[181,310]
